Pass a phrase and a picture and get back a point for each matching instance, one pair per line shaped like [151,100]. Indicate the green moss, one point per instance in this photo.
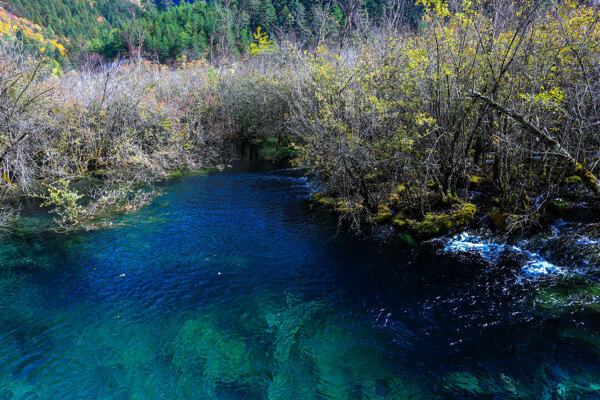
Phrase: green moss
[324,200]
[337,204]
[570,295]
[498,218]
[432,225]
[180,172]
[476,180]
[557,207]
[383,215]
[570,180]
[395,199]
[437,224]
[400,221]
[463,215]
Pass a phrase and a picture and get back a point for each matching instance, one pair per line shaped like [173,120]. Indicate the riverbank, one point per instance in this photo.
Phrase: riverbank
[426,130]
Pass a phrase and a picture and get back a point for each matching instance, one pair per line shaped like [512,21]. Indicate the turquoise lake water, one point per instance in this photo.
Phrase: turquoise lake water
[230,286]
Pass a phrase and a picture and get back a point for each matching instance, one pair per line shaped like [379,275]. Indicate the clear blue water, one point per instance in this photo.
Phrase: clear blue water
[230,286]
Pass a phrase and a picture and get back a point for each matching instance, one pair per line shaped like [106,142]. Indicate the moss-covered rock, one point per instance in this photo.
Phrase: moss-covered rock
[475,180]
[436,224]
[504,221]
[570,295]
[557,207]
[395,198]
[432,225]
[571,180]
[384,214]
[324,200]
[463,214]
[337,204]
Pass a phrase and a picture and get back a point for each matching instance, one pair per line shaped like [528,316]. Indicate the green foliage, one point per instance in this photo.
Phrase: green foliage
[262,44]
[75,21]
[64,202]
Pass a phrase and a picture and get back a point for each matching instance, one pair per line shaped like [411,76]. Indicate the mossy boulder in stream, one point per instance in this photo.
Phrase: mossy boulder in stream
[436,224]
[571,294]
[384,214]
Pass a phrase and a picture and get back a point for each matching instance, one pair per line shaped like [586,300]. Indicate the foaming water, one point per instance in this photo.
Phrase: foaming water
[230,286]
[533,264]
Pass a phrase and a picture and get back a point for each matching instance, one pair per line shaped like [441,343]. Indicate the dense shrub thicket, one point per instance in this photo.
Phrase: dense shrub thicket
[398,127]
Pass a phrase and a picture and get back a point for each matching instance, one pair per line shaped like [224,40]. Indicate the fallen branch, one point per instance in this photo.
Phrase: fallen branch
[589,179]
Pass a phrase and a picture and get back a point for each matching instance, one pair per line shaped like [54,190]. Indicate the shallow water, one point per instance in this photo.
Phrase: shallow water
[230,286]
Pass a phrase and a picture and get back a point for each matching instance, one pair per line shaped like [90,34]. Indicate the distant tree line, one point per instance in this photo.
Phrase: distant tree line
[167,30]
[75,22]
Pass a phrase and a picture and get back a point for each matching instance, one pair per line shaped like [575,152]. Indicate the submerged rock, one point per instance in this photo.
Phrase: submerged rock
[582,335]
[570,294]
[209,357]
[465,383]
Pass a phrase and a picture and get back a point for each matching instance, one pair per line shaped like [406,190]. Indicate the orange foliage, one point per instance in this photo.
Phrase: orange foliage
[10,24]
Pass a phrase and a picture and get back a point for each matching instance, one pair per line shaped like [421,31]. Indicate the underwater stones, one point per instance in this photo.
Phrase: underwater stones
[574,294]
[391,389]
[318,356]
[212,357]
[571,384]
[582,335]
[465,383]
[18,390]
[288,384]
